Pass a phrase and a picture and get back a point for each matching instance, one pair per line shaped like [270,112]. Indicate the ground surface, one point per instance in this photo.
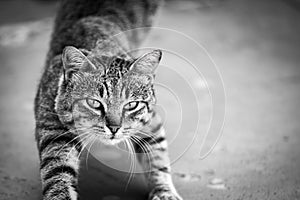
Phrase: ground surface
[256,47]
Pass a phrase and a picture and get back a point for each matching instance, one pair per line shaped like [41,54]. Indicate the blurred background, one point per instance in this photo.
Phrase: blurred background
[256,46]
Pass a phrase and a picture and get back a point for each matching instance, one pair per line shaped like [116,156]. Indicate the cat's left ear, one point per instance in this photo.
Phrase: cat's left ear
[147,63]
[74,60]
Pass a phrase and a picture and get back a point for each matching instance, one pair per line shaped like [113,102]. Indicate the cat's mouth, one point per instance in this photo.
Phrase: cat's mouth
[108,137]
[112,139]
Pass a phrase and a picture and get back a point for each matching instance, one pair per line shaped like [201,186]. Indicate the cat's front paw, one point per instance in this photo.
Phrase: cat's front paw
[163,193]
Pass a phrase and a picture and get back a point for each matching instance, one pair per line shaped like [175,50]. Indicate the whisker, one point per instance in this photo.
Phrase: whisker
[80,141]
[144,147]
[145,143]
[132,163]
[97,128]
[136,140]
[53,113]
[127,147]
[88,150]
[87,141]
[69,143]
[142,132]
[146,134]
[66,132]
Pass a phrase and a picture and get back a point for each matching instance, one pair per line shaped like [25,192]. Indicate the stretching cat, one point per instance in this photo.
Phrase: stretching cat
[93,88]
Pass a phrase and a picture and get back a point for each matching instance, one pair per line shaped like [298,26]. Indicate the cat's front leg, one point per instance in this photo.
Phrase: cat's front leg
[59,163]
[157,167]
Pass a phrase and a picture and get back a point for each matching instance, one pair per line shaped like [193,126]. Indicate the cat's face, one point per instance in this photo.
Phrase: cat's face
[109,102]
[111,108]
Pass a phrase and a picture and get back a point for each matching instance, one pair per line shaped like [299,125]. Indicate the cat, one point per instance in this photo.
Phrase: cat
[92,87]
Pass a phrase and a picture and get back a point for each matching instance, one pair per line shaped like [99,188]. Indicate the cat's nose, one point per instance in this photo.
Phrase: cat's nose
[113,128]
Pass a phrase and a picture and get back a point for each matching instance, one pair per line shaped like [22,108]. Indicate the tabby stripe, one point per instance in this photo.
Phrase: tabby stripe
[106,88]
[157,158]
[59,170]
[50,184]
[156,140]
[55,193]
[153,113]
[157,128]
[67,138]
[147,105]
[144,122]
[75,187]
[160,189]
[151,141]
[47,160]
[101,91]
[50,127]
[135,112]
[163,169]
[162,149]
[147,139]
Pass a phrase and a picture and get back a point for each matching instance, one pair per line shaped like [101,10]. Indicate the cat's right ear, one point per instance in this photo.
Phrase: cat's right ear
[74,60]
[147,63]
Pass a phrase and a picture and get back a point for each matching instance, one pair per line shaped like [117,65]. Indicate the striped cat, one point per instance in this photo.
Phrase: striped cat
[93,88]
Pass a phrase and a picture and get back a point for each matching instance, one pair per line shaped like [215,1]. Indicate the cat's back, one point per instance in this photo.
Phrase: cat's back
[81,23]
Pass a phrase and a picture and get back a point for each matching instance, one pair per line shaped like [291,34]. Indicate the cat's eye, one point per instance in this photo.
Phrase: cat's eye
[131,105]
[93,103]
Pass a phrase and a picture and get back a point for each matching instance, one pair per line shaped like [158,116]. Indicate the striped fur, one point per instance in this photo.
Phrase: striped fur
[93,88]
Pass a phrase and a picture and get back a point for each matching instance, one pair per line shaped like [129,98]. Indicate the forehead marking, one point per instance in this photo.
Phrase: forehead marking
[117,68]
[101,90]
[106,87]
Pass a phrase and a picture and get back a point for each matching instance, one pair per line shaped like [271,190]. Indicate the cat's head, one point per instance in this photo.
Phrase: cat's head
[107,97]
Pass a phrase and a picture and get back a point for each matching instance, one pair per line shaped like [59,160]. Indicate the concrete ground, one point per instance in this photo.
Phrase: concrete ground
[255,45]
